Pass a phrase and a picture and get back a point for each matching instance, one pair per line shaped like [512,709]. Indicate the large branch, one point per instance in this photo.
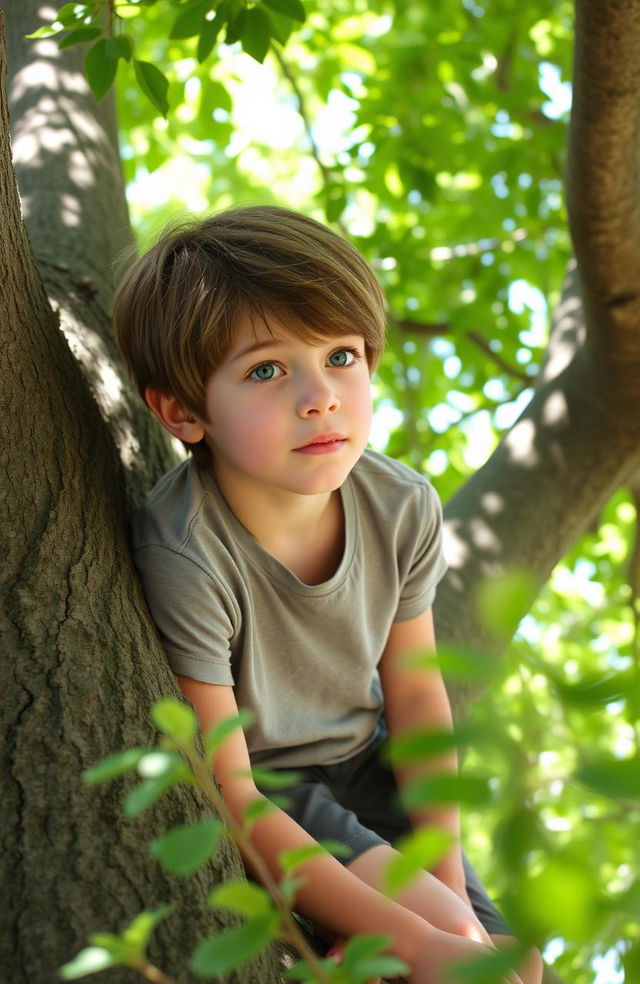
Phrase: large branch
[579,438]
[603,188]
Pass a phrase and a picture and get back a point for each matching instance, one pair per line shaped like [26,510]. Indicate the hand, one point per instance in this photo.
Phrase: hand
[444,952]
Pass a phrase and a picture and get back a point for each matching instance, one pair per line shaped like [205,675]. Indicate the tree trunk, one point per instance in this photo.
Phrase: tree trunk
[81,663]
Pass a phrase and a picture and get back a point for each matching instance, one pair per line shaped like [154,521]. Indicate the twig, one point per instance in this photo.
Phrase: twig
[154,974]
[327,177]
[502,363]
[292,933]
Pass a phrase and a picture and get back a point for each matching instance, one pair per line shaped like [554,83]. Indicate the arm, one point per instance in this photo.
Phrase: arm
[415,698]
[331,895]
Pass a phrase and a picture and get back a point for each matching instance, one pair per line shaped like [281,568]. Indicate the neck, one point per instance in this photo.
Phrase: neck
[265,511]
[303,532]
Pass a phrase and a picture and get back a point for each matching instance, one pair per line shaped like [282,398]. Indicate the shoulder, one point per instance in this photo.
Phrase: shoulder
[392,484]
[166,519]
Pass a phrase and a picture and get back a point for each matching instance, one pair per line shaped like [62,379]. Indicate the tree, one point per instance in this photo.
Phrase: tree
[82,661]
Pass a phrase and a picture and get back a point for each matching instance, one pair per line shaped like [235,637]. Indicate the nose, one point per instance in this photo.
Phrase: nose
[316,396]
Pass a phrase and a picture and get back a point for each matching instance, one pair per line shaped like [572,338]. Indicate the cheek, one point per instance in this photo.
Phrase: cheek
[362,405]
[251,435]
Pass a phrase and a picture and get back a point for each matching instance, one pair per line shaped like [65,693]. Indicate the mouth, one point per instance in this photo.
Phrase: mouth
[323,443]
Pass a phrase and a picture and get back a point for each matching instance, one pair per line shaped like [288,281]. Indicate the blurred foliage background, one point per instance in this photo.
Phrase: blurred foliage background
[433,134]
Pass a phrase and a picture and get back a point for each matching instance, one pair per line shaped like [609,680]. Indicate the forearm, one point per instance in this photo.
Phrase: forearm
[331,895]
[435,714]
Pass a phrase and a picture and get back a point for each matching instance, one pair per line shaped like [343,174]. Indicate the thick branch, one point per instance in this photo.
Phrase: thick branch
[603,188]
[544,483]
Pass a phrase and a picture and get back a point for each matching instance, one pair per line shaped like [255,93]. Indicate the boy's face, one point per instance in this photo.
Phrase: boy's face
[285,414]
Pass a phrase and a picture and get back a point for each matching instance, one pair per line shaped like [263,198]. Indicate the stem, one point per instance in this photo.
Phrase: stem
[291,931]
[327,177]
[154,974]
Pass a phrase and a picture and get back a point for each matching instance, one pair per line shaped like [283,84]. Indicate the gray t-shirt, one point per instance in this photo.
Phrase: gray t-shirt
[302,657]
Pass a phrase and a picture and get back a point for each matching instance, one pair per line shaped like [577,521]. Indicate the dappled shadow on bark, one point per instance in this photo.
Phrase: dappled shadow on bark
[69,174]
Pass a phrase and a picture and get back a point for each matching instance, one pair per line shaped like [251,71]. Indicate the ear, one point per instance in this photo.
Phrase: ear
[173,416]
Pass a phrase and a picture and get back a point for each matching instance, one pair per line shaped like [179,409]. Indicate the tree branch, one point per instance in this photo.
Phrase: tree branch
[603,189]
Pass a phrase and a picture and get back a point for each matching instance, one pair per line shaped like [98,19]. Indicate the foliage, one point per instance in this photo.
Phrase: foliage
[265,911]
[433,133]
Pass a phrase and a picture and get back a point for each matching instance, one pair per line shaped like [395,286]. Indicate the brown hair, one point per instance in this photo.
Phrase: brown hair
[177,306]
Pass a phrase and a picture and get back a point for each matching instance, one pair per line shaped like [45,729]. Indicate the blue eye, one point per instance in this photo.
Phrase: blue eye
[342,357]
[264,372]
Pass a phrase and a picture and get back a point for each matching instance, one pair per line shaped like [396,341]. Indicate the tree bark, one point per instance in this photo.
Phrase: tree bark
[81,663]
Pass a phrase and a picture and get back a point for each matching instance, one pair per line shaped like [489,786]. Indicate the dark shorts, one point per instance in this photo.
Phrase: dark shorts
[357,803]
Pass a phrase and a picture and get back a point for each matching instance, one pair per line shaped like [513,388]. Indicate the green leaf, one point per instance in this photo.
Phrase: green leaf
[290,8]
[419,851]
[190,21]
[138,932]
[145,795]
[289,888]
[88,961]
[502,601]
[255,32]
[457,662]
[295,856]
[272,779]
[221,731]
[155,86]
[46,31]
[243,897]
[114,765]
[364,959]
[110,942]
[120,47]
[258,808]
[80,36]
[615,778]
[428,790]
[71,13]
[100,69]
[281,27]
[183,850]
[560,897]
[209,35]
[170,715]
[492,967]
[219,954]
[594,690]
[416,746]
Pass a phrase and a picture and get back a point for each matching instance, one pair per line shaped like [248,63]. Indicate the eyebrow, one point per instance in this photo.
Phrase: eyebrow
[255,347]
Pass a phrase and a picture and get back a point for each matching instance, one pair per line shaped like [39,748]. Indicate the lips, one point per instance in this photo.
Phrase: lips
[331,438]
[323,444]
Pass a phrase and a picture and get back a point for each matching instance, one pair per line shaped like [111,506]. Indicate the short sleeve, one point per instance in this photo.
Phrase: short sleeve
[195,616]
[427,565]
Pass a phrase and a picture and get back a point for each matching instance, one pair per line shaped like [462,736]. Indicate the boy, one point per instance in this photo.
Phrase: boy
[290,570]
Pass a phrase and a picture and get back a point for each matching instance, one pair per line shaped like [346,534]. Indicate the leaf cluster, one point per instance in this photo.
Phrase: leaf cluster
[104,26]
